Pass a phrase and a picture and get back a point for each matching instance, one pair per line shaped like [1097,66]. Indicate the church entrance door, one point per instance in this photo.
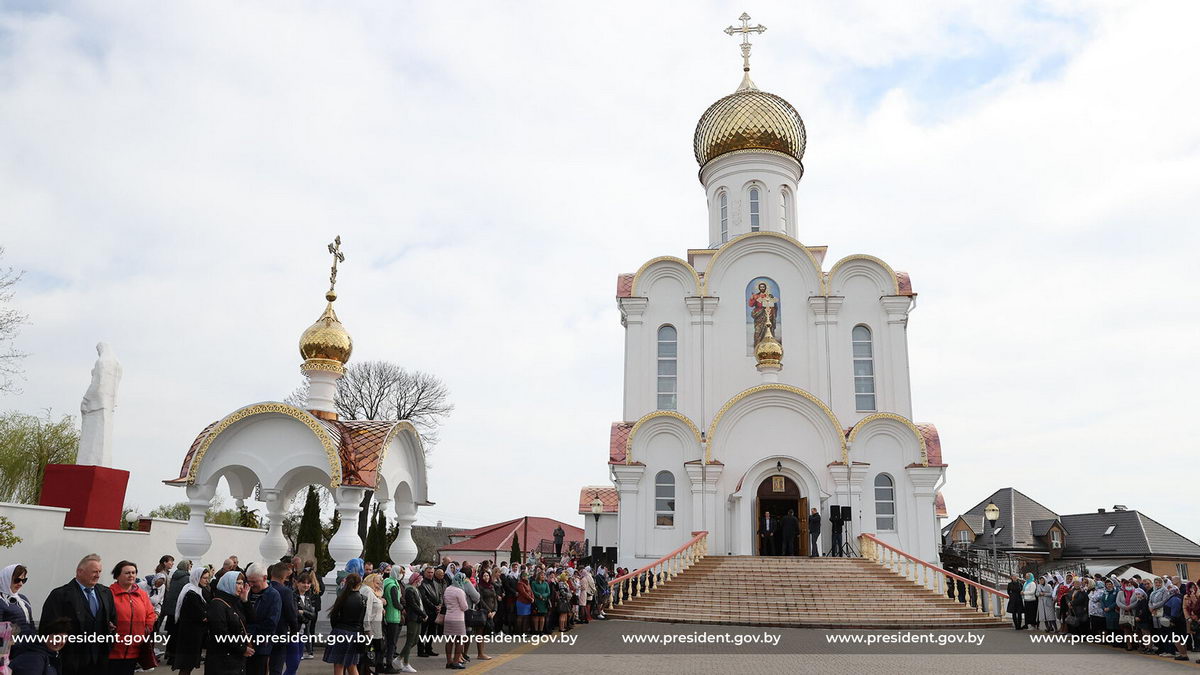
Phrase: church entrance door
[778,495]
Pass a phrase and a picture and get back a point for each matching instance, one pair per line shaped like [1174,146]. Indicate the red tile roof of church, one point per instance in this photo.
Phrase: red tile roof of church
[606,493]
[939,505]
[904,283]
[624,285]
[933,444]
[617,438]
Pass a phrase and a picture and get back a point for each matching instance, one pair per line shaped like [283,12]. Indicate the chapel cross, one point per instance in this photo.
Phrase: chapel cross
[745,29]
[336,250]
[768,304]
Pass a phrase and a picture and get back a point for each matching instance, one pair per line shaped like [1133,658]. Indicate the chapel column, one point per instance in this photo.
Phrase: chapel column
[274,545]
[924,535]
[194,541]
[899,391]
[628,478]
[404,550]
[703,478]
[638,375]
[345,543]
[825,309]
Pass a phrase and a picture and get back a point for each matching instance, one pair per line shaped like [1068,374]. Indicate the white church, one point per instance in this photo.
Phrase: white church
[757,376]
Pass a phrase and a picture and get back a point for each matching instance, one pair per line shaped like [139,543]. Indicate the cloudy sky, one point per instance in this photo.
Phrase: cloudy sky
[171,172]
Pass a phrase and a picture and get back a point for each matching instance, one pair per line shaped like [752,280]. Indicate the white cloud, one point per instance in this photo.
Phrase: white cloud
[170,175]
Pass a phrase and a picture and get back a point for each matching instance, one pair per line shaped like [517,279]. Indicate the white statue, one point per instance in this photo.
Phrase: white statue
[95,437]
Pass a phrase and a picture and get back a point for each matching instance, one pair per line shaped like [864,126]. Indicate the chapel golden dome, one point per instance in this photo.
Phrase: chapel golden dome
[749,119]
[768,352]
[326,339]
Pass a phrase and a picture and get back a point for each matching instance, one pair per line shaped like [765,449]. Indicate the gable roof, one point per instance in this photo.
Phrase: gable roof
[1134,535]
[607,494]
[1017,513]
[498,537]
[1042,527]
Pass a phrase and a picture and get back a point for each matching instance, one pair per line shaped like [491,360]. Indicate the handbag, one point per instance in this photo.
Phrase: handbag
[1126,620]
[474,618]
[146,657]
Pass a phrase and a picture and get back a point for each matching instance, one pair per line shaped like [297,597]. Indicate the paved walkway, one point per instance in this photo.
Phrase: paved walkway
[603,647]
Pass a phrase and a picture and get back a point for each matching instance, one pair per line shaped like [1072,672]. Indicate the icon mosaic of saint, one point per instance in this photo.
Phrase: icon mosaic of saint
[764,308]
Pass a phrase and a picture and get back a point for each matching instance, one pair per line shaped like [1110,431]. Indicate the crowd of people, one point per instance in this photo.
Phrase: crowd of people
[1157,616]
[262,619]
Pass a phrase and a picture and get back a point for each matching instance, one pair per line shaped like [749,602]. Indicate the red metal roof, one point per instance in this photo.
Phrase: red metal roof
[905,283]
[624,285]
[606,493]
[498,537]
[933,444]
[939,506]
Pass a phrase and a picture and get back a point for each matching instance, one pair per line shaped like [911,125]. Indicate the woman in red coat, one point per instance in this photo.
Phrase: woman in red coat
[135,620]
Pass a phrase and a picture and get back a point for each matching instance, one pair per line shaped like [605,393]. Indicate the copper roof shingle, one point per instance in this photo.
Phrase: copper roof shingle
[617,438]
[607,494]
[624,285]
[933,444]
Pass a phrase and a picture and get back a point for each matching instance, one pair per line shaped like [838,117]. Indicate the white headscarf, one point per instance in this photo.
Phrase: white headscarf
[193,586]
[6,594]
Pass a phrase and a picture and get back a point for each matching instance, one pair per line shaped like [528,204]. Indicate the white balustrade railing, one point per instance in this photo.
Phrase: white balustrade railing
[928,575]
[640,581]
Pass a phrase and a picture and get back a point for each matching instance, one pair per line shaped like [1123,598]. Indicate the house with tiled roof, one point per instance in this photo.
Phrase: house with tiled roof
[495,542]
[1104,541]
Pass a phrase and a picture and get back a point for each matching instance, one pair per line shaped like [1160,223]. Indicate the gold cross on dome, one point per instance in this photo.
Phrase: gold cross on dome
[336,250]
[745,29]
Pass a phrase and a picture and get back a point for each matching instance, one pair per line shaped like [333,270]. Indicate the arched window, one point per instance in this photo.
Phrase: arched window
[754,209]
[664,499]
[724,199]
[864,369]
[784,204]
[885,503]
[668,367]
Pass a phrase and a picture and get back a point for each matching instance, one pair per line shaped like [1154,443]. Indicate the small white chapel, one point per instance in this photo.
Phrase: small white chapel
[757,376]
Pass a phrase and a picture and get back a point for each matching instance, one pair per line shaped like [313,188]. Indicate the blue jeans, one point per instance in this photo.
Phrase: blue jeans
[292,652]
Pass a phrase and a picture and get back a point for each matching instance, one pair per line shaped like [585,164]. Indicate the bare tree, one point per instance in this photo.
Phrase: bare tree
[379,390]
[10,325]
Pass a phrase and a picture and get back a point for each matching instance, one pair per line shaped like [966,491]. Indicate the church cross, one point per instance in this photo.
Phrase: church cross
[768,304]
[745,29]
[335,249]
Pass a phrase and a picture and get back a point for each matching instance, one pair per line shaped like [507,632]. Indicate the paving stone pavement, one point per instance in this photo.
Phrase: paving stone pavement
[600,648]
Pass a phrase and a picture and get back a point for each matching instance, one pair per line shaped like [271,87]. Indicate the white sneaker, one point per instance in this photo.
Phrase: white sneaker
[408,669]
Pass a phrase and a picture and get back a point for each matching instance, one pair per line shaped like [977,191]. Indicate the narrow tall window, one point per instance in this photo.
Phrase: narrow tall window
[668,367]
[964,537]
[864,370]
[1055,539]
[724,217]
[664,499]
[885,503]
[754,210]
[783,210]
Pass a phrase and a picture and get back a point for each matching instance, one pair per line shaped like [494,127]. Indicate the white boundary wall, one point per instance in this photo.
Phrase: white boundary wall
[51,550]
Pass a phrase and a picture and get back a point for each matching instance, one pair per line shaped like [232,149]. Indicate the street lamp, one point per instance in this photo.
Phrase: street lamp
[597,509]
[992,513]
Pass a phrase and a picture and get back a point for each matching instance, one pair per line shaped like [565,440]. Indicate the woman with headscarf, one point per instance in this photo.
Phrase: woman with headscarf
[353,566]
[1191,613]
[1029,589]
[346,626]
[455,623]
[414,619]
[1046,612]
[188,620]
[228,615]
[393,614]
[1108,603]
[1077,608]
[1127,605]
[14,606]
[1172,623]
[563,601]
[1095,593]
[488,604]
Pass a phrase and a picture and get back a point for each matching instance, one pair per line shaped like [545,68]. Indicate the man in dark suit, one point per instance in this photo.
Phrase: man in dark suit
[768,530]
[289,616]
[789,529]
[814,534]
[88,606]
[558,535]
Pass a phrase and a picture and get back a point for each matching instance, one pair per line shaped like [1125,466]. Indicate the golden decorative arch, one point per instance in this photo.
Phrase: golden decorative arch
[862,256]
[396,429]
[659,413]
[665,258]
[902,420]
[331,452]
[837,426]
[778,235]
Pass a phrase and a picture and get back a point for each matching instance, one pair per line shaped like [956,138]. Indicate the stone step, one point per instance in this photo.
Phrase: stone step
[817,622]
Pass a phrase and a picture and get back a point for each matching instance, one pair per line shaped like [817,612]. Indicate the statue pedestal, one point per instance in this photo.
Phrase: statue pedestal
[95,494]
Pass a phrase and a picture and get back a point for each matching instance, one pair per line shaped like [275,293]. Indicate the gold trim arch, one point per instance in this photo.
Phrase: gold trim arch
[712,262]
[837,426]
[891,273]
[331,452]
[661,413]
[898,418]
[665,258]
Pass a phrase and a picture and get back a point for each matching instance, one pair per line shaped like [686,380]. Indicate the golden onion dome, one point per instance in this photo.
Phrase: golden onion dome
[326,339]
[768,351]
[749,119]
